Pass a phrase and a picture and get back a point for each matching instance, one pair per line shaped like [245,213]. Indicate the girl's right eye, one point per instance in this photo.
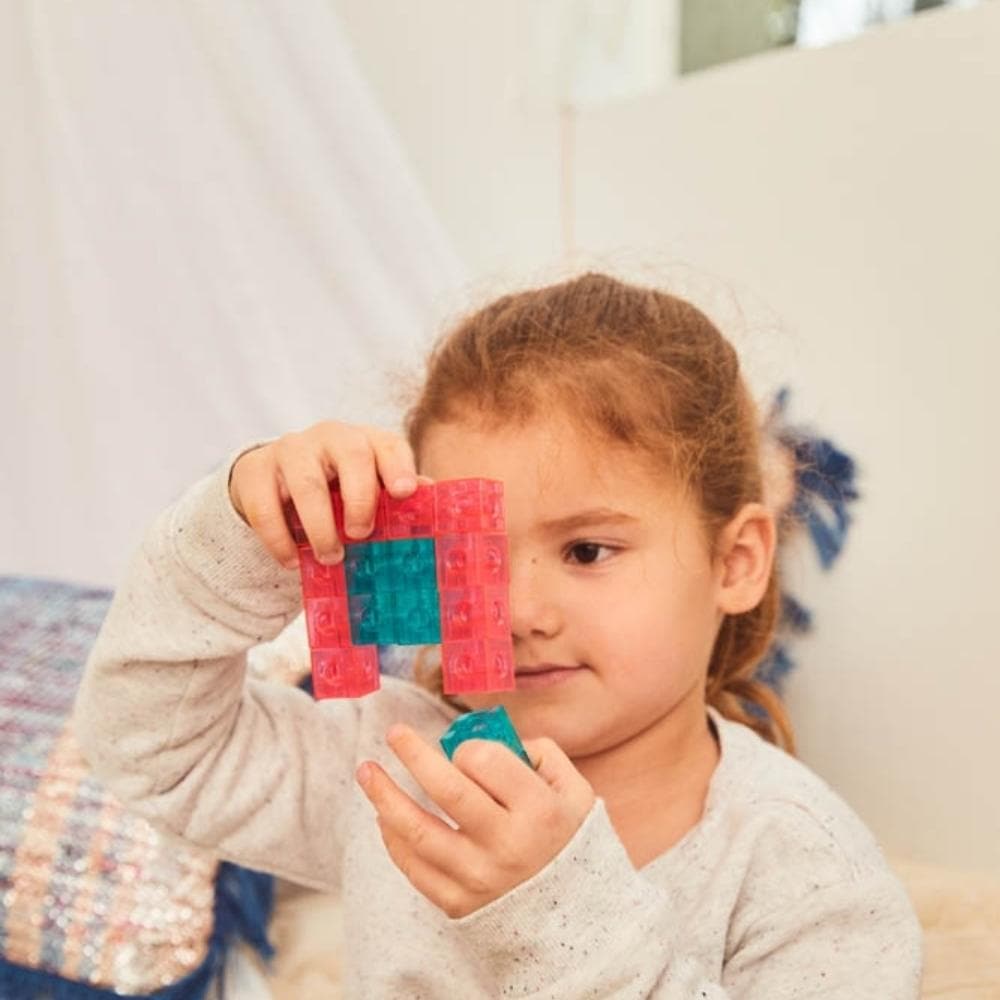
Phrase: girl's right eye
[588,553]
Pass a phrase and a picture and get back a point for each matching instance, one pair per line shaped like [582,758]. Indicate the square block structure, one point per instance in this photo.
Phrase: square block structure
[433,570]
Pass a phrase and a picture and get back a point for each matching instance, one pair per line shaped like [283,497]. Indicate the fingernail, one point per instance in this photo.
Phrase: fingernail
[292,563]
[364,774]
[331,558]
[404,484]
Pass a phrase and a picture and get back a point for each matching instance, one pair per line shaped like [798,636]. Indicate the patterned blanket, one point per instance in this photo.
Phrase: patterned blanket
[94,902]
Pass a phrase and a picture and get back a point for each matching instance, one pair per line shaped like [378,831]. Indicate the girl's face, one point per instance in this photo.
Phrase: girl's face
[612,590]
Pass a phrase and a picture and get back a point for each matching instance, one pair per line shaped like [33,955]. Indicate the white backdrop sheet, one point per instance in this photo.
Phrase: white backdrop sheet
[208,235]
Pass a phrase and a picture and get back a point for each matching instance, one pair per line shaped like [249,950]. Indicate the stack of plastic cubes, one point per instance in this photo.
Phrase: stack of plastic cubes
[433,570]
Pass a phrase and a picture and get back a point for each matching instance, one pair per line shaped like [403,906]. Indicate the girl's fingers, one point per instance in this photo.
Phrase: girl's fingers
[500,772]
[299,468]
[349,452]
[305,479]
[426,877]
[560,773]
[493,849]
[264,512]
[394,461]
[452,791]
[424,834]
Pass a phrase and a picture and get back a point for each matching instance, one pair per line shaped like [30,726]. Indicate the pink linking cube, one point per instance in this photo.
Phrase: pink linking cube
[471,560]
[469,505]
[465,518]
[344,671]
[478,665]
[474,613]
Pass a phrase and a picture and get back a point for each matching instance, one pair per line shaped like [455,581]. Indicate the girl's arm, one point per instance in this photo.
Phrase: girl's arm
[256,771]
[167,720]
[590,926]
[553,907]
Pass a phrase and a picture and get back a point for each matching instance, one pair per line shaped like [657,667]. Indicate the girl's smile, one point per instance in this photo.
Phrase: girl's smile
[542,675]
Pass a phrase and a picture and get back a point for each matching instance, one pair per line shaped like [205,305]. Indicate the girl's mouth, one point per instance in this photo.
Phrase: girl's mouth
[543,675]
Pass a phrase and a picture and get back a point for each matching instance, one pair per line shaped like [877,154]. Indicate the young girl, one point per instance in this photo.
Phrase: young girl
[664,846]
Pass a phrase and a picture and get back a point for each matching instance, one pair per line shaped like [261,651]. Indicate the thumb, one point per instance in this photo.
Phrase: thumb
[557,770]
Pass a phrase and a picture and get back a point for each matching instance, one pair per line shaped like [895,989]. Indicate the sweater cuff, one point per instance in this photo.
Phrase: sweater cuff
[220,552]
[587,906]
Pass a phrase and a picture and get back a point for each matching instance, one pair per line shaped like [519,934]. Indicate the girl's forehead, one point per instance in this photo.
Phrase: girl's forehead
[547,458]
[466,448]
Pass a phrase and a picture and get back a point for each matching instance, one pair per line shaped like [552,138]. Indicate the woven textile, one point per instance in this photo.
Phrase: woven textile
[93,898]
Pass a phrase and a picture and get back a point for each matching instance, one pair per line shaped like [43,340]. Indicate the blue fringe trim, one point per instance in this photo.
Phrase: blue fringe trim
[778,663]
[824,483]
[244,900]
[824,486]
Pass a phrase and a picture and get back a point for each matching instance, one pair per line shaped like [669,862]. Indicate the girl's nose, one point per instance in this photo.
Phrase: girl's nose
[534,610]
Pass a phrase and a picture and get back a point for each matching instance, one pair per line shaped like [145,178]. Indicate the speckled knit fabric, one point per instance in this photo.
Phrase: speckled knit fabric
[778,892]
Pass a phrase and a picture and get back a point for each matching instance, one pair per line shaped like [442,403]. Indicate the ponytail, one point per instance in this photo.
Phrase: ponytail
[732,687]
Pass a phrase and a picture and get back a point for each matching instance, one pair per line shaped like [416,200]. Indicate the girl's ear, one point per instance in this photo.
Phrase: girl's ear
[744,557]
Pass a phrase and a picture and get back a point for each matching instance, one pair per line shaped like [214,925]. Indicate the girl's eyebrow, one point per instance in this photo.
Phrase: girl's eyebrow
[585,519]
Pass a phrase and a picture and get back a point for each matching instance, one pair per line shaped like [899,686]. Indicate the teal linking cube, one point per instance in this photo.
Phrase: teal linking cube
[392,592]
[488,724]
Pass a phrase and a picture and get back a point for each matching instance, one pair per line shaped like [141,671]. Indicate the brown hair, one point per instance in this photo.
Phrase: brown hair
[646,369]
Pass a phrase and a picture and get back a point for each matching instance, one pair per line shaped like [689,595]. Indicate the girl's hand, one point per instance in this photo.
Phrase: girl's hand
[511,821]
[300,466]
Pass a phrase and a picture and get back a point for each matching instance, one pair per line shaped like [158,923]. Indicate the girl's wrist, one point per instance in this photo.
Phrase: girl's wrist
[234,495]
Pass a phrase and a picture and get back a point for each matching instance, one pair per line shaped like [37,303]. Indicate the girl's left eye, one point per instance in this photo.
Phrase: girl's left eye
[586,553]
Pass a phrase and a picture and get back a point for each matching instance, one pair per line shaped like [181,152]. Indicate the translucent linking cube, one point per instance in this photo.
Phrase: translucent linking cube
[489,724]
[434,569]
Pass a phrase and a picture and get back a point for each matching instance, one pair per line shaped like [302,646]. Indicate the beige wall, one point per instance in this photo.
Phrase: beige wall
[855,191]
[449,74]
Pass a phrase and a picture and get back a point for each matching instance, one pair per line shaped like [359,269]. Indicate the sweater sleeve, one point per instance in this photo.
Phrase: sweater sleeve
[167,719]
[590,926]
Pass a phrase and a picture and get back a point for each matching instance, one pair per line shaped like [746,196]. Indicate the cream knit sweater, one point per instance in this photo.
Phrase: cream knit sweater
[778,892]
